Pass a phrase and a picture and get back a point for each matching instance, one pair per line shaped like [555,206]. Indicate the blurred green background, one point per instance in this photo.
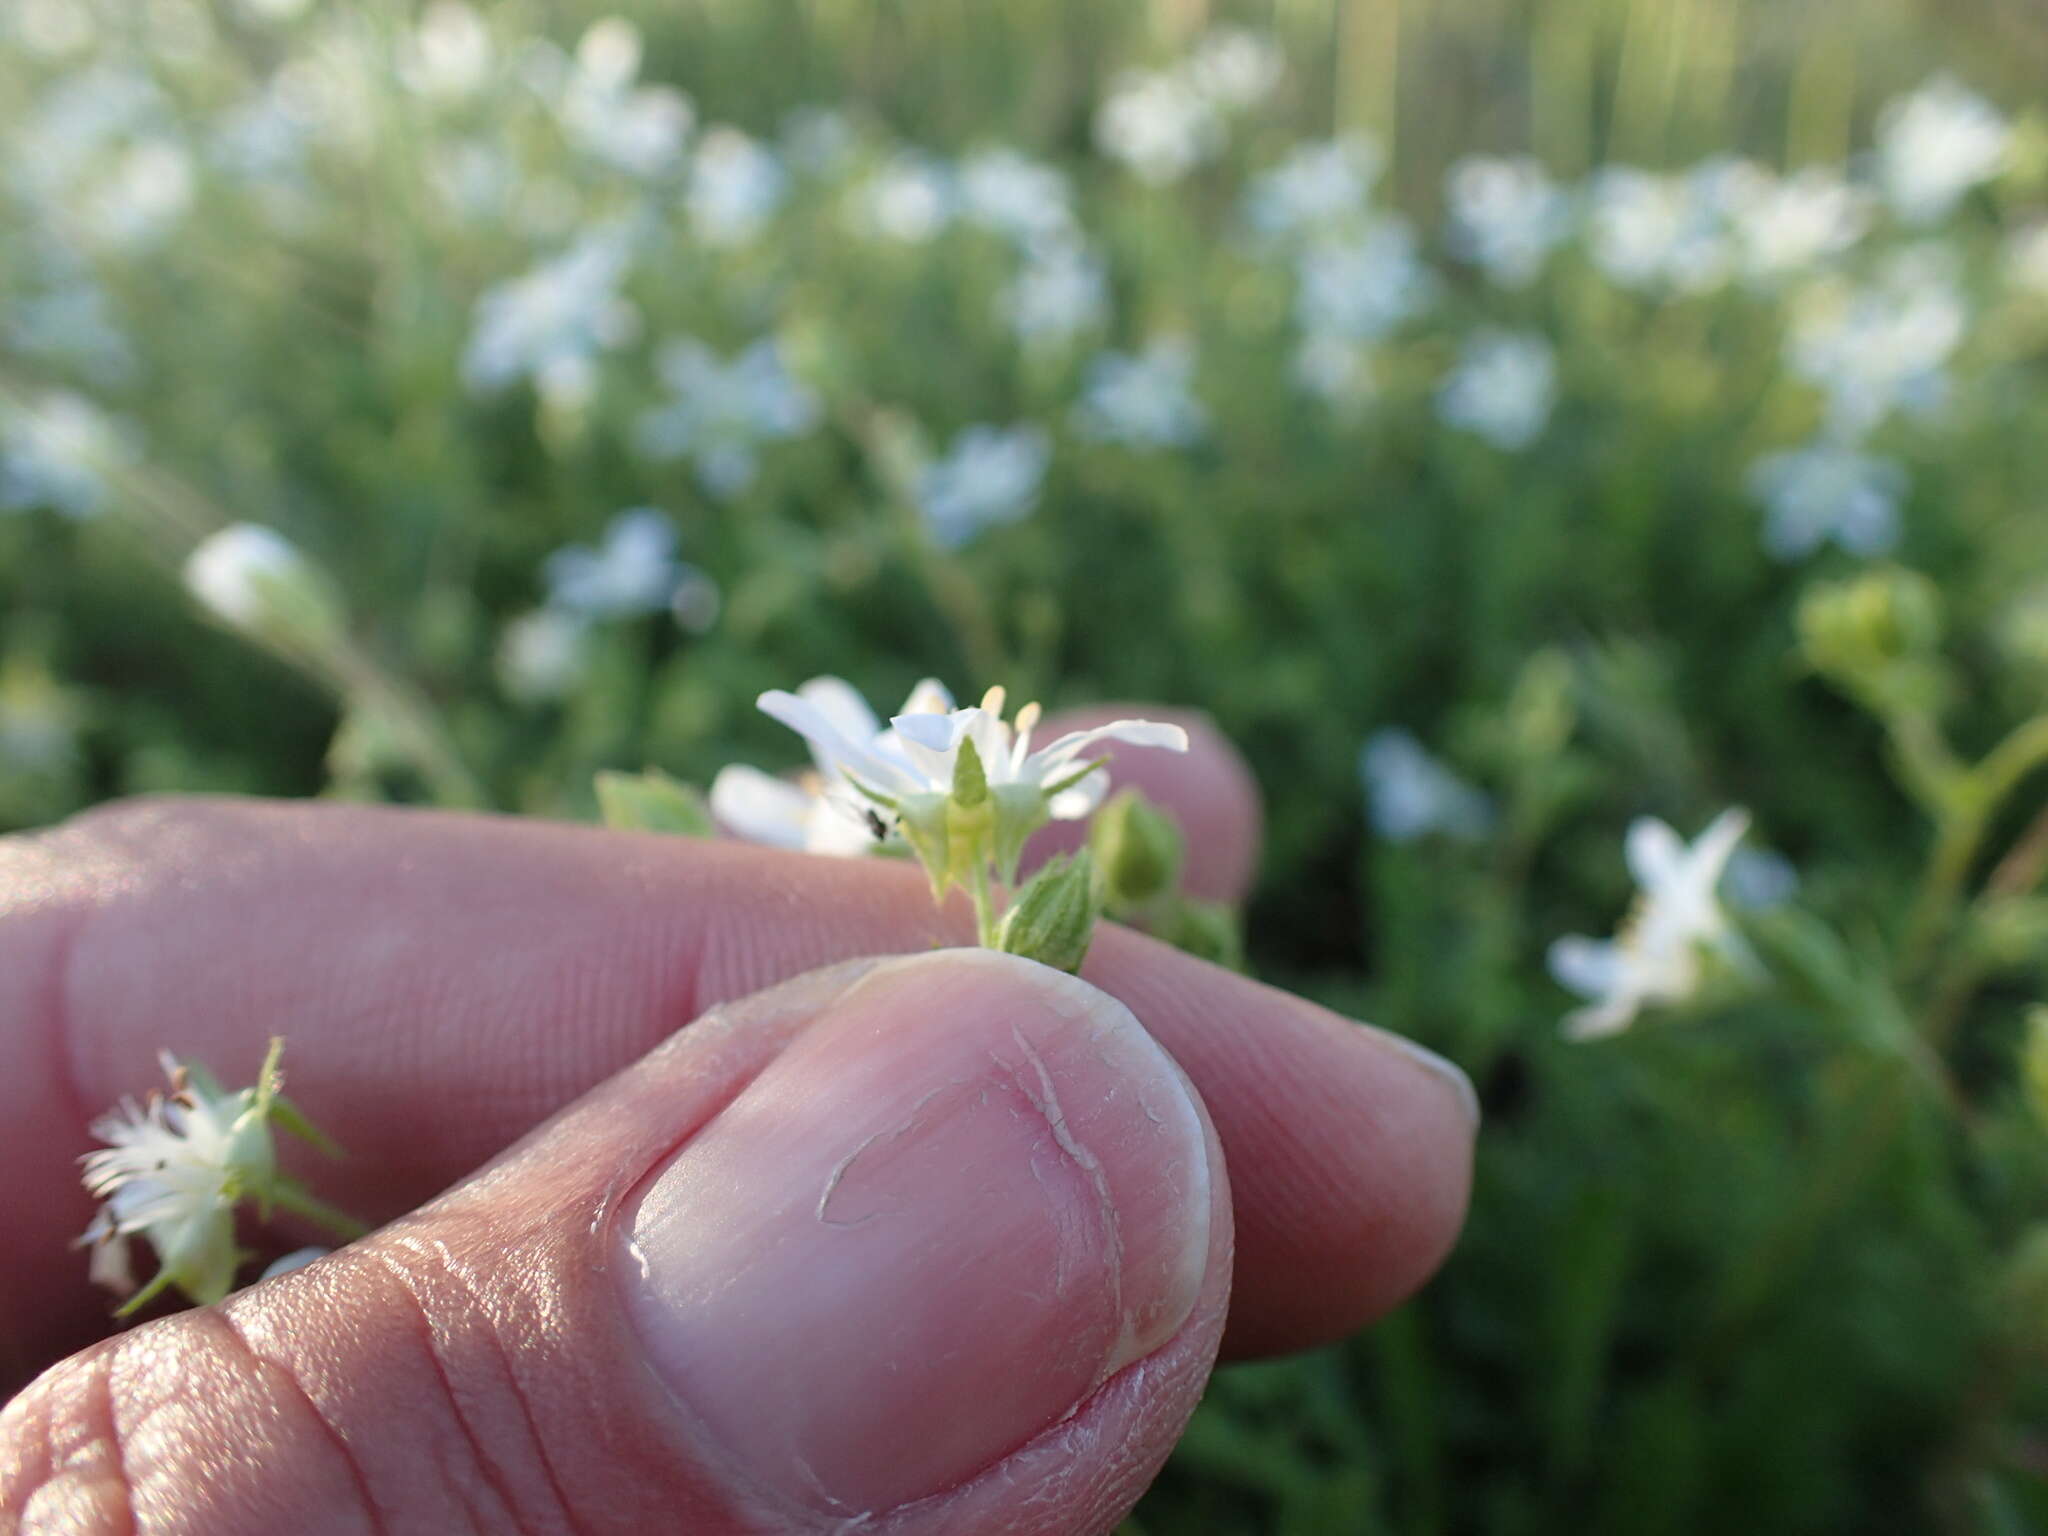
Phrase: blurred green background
[1508,419]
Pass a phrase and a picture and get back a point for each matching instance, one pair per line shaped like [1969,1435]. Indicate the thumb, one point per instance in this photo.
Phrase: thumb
[931,1244]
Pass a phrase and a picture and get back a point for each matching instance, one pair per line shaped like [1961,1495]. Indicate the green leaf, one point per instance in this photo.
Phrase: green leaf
[653,802]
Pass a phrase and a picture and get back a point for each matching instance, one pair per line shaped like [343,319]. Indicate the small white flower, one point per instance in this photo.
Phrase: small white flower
[1507,216]
[736,184]
[909,199]
[990,475]
[1786,226]
[557,317]
[1144,400]
[448,57]
[1760,879]
[1502,389]
[1657,956]
[1235,68]
[1059,291]
[1158,126]
[721,412]
[542,654]
[245,572]
[632,572]
[1883,346]
[907,771]
[1651,232]
[1015,196]
[58,451]
[1334,370]
[1362,288]
[1319,188]
[172,1173]
[1935,145]
[1828,490]
[1413,795]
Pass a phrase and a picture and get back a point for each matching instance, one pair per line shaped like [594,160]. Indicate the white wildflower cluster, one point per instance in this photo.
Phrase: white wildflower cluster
[59,450]
[1411,795]
[961,789]
[177,1168]
[632,572]
[721,412]
[1502,389]
[1144,399]
[989,476]
[1160,124]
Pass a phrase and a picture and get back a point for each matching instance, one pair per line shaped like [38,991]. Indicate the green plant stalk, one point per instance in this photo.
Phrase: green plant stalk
[289,1196]
[361,679]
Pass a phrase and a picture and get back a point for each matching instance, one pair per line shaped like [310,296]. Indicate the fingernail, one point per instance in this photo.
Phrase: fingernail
[1447,1073]
[968,1194]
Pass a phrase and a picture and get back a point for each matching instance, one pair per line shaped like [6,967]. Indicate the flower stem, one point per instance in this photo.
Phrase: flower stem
[301,1203]
[984,908]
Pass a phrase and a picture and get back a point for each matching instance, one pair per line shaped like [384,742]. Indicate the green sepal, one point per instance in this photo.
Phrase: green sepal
[1052,919]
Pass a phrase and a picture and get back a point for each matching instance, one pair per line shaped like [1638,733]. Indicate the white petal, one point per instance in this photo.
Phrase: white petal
[930,697]
[840,702]
[1716,845]
[1589,967]
[298,1258]
[759,807]
[1043,763]
[839,751]
[1654,852]
[1081,800]
[1601,1020]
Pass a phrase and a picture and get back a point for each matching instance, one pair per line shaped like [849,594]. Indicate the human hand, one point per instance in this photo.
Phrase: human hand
[945,1241]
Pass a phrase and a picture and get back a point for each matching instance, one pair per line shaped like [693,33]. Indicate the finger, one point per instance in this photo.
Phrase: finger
[1209,791]
[923,1245]
[445,982]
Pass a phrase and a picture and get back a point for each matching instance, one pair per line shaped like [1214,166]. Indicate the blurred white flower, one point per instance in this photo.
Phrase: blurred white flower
[1502,389]
[736,184]
[802,815]
[1786,226]
[721,412]
[1333,369]
[1316,191]
[1935,145]
[58,451]
[1365,287]
[52,28]
[989,475]
[80,120]
[1882,346]
[2026,259]
[1507,216]
[638,128]
[144,192]
[1236,68]
[554,320]
[1015,196]
[817,140]
[1651,232]
[448,56]
[542,654]
[909,198]
[1059,291]
[1657,957]
[241,574]
[1144,400]
[1828,490]
[1412,795]
[1157,125]
[632,572]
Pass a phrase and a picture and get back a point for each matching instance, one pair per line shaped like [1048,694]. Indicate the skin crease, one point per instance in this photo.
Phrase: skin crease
[422,965]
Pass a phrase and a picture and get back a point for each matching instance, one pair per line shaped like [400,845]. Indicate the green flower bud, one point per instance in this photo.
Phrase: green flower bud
[653,802]
[1877,635]
[252,578]
[1139,849]
[1053,918]
[1208,930]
